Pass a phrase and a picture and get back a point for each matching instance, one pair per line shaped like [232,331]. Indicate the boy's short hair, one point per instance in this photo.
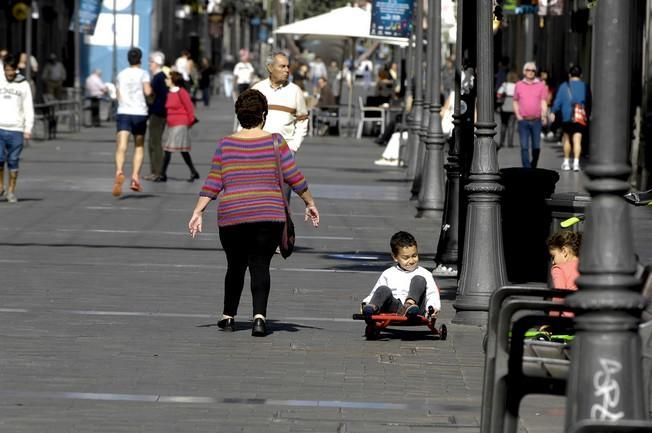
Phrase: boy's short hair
[566,238]
[401,240]
[11,60]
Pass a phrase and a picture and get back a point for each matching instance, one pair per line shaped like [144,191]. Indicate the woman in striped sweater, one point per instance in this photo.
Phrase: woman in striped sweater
[251,211]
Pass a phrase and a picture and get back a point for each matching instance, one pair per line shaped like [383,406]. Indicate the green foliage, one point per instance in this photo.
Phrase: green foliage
[309,8]
[248,8]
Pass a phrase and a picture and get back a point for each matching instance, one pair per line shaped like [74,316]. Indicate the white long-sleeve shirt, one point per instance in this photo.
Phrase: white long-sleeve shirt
[398,280]
[16,105]
[287,112]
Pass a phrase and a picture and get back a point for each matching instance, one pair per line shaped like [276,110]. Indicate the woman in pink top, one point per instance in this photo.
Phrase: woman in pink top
[564,248]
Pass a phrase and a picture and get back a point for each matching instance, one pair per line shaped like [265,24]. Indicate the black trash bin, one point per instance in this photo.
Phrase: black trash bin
[526,222]
[564,205]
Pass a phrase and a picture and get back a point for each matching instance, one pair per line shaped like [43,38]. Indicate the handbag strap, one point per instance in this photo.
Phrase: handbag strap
[570,93]
[277,153]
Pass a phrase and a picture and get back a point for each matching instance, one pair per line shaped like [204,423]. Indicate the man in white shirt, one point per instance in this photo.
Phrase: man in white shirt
[133,86]
[95,91]
[16,121]
[243,72]
[287,112]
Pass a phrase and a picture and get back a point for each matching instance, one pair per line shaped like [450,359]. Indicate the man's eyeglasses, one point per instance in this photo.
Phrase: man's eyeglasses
[530,70]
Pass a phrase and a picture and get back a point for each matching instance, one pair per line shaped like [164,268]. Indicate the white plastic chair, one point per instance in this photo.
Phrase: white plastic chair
[370,114]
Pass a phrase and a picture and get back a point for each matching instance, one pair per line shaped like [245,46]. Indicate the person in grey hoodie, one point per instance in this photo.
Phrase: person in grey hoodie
[16,121]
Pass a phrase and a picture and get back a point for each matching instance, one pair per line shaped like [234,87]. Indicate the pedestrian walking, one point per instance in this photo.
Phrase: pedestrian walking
[505,97]
[96,89]
[334,76]
[244,177]
[206,72]
[186,67]
[531,110]
[54,74]
[157,115]
[133,86]
[317,71]
[16,121]
[573,102]
[244,73]
[227,78]
[180,117]
[288,114]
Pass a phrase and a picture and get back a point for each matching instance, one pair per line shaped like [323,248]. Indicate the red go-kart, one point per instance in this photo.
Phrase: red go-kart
[376,322]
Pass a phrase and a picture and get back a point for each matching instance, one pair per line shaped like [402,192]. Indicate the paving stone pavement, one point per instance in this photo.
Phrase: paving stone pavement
[108,312]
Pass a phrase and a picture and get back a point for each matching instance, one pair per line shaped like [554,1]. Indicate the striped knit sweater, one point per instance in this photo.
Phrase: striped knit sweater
[245,179]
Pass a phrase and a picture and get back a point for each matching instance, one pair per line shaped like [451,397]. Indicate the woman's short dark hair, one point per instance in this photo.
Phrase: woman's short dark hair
[251,108]
[134,56]
[401,240]
[177,79]
[575,71]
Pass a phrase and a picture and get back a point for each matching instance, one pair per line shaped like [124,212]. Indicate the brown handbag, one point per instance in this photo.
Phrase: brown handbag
[286,244]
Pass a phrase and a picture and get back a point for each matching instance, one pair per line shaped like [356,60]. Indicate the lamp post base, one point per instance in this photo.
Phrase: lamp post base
[470,317]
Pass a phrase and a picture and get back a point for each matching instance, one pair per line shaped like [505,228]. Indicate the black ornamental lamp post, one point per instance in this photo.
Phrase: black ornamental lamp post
[425,74]
[483,261]
[605,380]
[448,246]
[417,106]
[431,189]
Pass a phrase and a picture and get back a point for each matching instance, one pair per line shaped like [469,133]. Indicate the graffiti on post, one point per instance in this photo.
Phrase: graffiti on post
[607,388]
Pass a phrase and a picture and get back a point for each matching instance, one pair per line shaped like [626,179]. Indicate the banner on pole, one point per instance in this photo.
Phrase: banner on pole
[391,18]
[89,11]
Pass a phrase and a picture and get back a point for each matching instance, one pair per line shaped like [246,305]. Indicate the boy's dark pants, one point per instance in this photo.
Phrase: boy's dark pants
[387,303]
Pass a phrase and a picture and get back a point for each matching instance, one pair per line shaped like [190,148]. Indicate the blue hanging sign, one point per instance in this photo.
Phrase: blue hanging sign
[89,11]
[391,18]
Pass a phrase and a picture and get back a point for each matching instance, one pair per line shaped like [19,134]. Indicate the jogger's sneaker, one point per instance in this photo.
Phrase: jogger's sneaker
[576,165]
[117,185]
[11,197]
[565,166]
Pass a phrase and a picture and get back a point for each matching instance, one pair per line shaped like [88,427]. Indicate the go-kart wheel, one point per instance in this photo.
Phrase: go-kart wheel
[443,332]
[542,336]
[371,333]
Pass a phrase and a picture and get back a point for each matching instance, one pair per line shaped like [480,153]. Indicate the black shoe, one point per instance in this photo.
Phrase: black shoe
[226,325]
[259,329]
[193,176]
[161,178]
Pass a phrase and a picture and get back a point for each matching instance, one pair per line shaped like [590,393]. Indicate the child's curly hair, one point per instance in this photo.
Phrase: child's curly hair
[401,240]
[251,108]
[566,238]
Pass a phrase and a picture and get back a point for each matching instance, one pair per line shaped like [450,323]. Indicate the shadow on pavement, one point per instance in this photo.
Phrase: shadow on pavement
[272,326]
[137,196]
[404,334]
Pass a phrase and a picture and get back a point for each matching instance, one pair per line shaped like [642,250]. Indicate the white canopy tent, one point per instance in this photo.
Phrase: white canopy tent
[347,22]
[340,23]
